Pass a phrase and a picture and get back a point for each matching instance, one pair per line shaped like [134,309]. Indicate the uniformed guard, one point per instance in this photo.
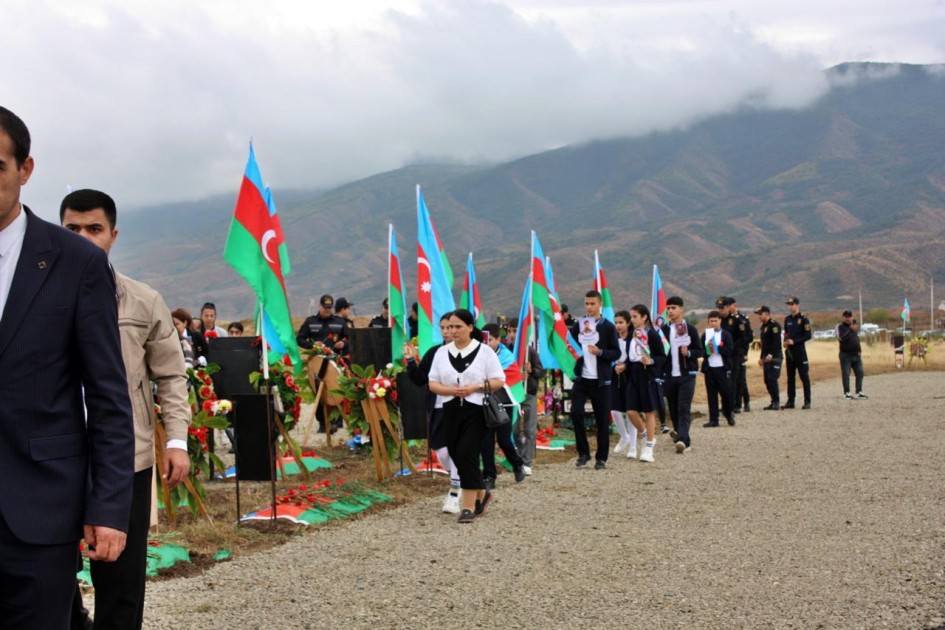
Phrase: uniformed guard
[771,356]
[730,323]
[796,335]
[742,344]
[325,327]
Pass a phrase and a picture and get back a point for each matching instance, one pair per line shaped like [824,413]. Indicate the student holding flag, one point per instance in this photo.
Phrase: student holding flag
[645,359]
[618,405]
[717,368]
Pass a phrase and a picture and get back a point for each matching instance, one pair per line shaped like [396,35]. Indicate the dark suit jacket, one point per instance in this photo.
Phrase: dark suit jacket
[609,351]
[58,334]
[687,364]
[727,350]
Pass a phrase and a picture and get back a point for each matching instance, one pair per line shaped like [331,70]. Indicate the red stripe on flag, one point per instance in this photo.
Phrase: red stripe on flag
[253,214]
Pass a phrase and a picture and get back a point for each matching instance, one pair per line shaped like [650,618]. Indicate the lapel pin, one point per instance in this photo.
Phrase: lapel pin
[42,264]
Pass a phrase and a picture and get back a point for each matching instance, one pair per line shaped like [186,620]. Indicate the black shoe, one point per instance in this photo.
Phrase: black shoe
[600,465]
[482,505]
[789,405]
[710,425]
[747,408]
[674,436]
[519,473]
[772,407]
[737,410]
[489,483]
[664,428]
[582,460]
[806,406]
[467,516]
[731,421]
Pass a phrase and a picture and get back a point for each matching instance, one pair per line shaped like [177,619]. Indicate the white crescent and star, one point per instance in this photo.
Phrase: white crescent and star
[267,236]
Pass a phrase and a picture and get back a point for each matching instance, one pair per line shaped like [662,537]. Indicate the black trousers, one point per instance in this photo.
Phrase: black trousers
[679,393]
[37,582]
[796,361]
[741,382]
[503,435]
[600,397]
[772,372]
[465,432]
[718,382]
[119,585]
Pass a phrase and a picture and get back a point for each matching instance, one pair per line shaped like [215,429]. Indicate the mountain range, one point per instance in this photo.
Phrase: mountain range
[844,196]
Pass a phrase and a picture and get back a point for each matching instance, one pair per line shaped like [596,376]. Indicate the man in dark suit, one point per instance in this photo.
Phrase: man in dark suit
[681,368]
[593,374]
[717,368]
[65,472]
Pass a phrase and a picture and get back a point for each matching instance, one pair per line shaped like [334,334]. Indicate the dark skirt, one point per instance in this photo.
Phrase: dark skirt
[437,429]
[641,393]
[618,391]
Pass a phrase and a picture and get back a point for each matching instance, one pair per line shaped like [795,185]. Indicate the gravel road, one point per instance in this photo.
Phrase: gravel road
[828,518]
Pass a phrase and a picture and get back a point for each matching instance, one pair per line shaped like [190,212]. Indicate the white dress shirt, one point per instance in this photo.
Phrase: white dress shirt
[11,243]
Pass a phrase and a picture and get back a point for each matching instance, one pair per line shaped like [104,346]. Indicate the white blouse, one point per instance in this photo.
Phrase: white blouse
[485,366]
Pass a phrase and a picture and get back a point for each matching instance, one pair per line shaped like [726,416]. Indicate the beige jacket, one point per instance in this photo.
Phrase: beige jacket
[150,347]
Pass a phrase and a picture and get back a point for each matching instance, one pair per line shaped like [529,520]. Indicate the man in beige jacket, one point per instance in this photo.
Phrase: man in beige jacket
[151,351]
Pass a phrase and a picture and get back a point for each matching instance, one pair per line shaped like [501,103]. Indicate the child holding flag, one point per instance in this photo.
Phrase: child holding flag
[645,359]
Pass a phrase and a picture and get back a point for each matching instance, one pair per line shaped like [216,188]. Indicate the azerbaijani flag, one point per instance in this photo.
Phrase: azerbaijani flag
[396,300]
[469,299]
[544,300]
[658,298]
[658,307]
[434,279]
[906,313]
[600,285]
[270,333]
[526,327]
[255,248]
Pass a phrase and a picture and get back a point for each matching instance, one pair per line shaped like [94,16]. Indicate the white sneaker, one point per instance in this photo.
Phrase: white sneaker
[527,470]
[861,396]
[451,503]
[647,454]
[848,396]
[621,445]
[632,450]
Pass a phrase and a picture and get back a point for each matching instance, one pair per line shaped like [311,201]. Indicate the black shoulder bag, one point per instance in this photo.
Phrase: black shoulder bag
[493,413]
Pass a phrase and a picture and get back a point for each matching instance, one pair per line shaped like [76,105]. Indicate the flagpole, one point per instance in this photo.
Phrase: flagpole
[268,393]
[597,271]
[654,298]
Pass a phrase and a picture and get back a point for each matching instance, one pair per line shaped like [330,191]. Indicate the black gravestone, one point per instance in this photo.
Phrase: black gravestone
[237,358]
[254,451]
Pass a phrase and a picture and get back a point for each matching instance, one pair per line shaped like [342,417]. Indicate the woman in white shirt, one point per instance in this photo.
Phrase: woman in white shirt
[458,375]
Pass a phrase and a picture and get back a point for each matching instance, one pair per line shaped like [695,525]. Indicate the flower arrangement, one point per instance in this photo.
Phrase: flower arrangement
[360,383]
[209,412]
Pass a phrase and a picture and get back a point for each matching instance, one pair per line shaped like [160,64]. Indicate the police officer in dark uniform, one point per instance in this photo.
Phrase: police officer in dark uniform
[324,327]
[796,335]
[730,324]
[382,320]
[771,356]
[746,335]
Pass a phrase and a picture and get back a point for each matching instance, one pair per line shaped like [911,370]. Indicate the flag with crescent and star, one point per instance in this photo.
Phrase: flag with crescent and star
[434,280]
[255,248]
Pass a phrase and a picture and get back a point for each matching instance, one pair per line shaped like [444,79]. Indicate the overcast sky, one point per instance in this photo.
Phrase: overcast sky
[156,102]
